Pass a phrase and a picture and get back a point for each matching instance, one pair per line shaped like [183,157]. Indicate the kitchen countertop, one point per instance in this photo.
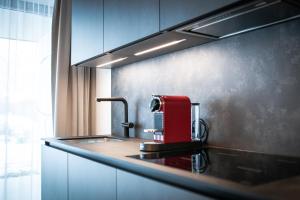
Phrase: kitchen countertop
[115,154]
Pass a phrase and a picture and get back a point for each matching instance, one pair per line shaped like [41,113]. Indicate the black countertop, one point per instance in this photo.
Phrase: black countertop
[115,153]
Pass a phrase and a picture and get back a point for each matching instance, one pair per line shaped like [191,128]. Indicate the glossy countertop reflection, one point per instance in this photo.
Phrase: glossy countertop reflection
[247,168]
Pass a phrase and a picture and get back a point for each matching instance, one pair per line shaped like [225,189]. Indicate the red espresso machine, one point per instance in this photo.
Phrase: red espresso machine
[172,124]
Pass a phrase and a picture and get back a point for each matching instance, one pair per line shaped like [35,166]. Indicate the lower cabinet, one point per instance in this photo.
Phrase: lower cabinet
[134,187]
[54,174]
[90,180]
[69,177]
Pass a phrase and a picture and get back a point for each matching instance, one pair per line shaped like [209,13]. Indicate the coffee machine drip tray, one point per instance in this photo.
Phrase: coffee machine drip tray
[246,168]
[157,147]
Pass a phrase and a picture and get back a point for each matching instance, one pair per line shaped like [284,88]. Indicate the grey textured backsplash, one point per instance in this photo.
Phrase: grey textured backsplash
[248,86]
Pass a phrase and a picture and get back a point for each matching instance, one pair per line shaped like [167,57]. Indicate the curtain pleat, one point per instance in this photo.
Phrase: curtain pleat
[73,89]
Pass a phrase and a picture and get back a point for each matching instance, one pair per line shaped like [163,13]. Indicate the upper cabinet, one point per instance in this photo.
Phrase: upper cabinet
[112,33]
[130,20]
[87,29]
[175,12]
[99,26]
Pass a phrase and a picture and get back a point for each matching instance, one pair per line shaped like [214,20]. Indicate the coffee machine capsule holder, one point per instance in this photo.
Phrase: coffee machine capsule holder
[172,125]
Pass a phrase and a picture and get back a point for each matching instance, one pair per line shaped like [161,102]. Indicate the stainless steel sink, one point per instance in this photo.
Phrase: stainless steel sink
[91,140]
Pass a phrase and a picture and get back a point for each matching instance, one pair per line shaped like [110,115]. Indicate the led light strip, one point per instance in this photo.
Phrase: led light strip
[143,52]
[111,62]
[159,47]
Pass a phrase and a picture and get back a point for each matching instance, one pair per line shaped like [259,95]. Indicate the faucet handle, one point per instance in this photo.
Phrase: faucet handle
[128,124]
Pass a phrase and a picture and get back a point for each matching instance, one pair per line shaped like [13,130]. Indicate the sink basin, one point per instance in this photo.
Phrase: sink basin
[92,140]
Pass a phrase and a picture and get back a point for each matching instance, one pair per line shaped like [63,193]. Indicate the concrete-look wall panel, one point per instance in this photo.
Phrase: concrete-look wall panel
[248,86]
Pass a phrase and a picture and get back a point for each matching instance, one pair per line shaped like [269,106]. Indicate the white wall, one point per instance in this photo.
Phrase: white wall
[103,113]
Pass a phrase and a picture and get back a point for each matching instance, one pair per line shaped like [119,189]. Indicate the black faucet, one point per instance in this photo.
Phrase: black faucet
[125,124]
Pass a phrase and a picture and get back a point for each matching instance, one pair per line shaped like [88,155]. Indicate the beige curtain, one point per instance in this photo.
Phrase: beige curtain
[73,89]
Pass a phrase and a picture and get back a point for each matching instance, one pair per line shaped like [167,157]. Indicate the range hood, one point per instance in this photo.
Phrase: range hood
[247,17]
[239,18]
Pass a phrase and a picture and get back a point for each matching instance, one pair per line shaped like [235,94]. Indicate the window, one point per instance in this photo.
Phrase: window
[25,94]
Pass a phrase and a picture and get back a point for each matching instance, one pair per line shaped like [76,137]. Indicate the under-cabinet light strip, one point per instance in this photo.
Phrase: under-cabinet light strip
[111,62]
[159,47]
[143,52]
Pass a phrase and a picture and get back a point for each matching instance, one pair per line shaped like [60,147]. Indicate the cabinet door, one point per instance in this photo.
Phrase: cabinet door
[90,180]
[131,186]
[87,29]
[175,12]
[127,21]
[54,174]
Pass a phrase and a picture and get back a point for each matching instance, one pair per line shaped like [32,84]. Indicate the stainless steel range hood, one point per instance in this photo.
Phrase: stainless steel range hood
[250,16]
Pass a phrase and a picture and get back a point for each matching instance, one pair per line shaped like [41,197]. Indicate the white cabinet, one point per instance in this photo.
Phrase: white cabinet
[54,174]
[130,20]
[134,187]
[87,30]
[90,180]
